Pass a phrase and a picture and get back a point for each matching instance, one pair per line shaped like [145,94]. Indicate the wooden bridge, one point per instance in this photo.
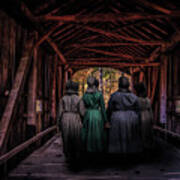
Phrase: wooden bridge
[43,43]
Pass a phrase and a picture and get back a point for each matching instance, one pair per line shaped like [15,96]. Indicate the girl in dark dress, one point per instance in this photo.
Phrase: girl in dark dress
[123,113]
[146,116]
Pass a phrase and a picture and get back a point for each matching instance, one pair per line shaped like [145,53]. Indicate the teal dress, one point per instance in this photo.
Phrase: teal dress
[93,131]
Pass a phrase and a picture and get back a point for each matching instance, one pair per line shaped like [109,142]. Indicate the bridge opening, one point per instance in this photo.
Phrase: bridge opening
[108,80]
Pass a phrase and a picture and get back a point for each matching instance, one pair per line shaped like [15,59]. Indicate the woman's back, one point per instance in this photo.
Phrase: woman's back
[92,100]
[93,122]
[70,103]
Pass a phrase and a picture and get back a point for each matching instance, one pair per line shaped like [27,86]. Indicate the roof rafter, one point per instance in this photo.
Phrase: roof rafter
[111,53]
[106,17]
[155,6]
[44,37]
[114,64]
[32,19]
[118,36]
[108,44]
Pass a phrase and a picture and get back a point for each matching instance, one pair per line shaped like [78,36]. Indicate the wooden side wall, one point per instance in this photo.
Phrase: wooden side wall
[37,106]
[12,39]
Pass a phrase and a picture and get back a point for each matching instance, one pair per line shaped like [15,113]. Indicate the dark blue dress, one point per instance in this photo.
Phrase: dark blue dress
[123,113]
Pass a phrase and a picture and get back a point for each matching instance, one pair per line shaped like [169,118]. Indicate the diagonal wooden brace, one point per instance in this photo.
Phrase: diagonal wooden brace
[15,94]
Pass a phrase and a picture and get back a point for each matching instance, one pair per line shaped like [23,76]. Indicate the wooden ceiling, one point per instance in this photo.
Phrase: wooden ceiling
[116,33]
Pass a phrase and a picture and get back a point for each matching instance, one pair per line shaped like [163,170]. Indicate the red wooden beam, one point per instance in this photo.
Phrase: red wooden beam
[106,17]
[158,28]
[40,29]
[4,158]
[18,84]
[71,31]
[44,37]
[91,59]
[155,6]
[62,30]
[106,44]
[110,53]
[54,46]
[133,30]
[74,35]
[110,64]
[118,36]
[146,29]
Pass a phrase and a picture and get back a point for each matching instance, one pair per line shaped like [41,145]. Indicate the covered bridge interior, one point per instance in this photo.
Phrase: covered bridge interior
[43,43]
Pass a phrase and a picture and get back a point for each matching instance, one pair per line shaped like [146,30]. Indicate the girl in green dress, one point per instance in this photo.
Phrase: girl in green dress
[93,132]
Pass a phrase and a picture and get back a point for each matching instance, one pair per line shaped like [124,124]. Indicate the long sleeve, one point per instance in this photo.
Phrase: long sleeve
[82,108]
[60,112]
[103,110]
[109,109]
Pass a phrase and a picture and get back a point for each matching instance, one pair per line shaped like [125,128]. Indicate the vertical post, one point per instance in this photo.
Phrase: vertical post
[65,78]
[59,83]
[149,82]
[163,89]
[53,106]
[141,76]
[31,121]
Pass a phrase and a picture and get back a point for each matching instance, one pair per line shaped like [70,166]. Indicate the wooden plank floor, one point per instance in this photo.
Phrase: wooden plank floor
[48,163]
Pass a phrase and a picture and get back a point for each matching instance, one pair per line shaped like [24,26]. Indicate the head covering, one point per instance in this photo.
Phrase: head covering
[72,87]
[91,84]
[96,83]
[75,86]
[140,89]
[124,83]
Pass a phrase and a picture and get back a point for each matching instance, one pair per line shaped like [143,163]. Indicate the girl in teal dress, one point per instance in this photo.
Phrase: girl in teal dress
[93,131]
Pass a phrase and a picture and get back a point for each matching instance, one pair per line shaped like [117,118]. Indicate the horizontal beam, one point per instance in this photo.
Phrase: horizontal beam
[110,64]
[115,44]
[106,17]
[4,158]
[97,59]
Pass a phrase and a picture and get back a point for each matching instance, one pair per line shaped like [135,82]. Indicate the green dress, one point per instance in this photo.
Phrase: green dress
[93,132]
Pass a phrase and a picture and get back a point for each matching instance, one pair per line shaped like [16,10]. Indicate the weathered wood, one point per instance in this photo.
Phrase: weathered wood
[165,131]
[118,36]
[163,88]
[26,144]
[149,82]
[65,78]
[96,59]
[40,29]
[158,28]
[111,53]
[44,37]
[107,17]
[32,91]
[53,105]
[113,64]
[59,83]
[55,47]
[155,6]
[105,44]
[147,29]
[141,76]
[154,75]
[155,54]
[6,121]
